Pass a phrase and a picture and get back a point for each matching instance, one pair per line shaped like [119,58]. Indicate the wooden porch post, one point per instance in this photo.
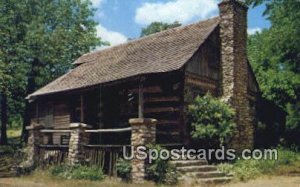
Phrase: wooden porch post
[81,109]
[100,113]
[143,132]
[141,98]
[37,113]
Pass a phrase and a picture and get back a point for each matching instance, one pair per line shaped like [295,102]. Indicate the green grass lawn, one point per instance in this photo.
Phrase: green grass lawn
[13,136]
[42,178]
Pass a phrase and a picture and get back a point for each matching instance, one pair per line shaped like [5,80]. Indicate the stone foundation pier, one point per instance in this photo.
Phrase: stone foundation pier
[78,139]
[143,133]
[34,140]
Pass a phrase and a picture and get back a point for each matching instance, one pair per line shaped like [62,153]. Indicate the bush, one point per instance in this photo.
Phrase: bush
[77,172]
[226,168]
[124,169]
[211,120]
[247,169]
[161,171]
[292,128]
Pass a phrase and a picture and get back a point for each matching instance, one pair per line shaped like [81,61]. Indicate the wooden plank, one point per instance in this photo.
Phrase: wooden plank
[62,121]
[201,81]
[151,89]
[141,100]
[54,131]
[161,109]
[53,146]
[63,127]
[81,109]
[168,133]
[168,122]
[109,130]
[60,117]
[107,146]
[161,99]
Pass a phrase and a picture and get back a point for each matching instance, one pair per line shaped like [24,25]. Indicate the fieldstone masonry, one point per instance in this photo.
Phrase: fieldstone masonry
[34,140]
[233,32]
[143,133]
[78,139]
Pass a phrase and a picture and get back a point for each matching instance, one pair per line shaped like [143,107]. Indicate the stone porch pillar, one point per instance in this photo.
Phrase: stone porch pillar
[34,140]
[78,139]
[143,133]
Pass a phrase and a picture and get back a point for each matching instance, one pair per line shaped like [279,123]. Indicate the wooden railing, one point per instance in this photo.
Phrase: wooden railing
[55,130]
[109,130]
[52,154]
[104,156]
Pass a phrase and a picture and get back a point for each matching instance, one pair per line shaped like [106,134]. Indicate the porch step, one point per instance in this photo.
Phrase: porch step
[198,171]
[6,174]
[189,169]
[182,163]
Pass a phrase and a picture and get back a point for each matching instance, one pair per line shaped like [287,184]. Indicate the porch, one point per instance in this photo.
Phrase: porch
[100,116]
[111,105]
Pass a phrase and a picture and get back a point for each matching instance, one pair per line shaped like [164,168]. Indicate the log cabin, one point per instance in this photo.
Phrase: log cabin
[156,76]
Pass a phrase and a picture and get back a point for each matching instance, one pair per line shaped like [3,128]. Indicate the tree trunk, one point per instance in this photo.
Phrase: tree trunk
[26,122]
[3,138]
[31,86]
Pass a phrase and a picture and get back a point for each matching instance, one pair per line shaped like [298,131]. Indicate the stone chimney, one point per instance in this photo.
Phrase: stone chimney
[233,33]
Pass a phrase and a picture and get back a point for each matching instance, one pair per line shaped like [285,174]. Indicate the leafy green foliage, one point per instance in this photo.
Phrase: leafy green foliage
[253,2]
[155,27]
[124,168]
[211,119]
[161,171]
[77,172]
[275,56]
[39,40]
[248,169]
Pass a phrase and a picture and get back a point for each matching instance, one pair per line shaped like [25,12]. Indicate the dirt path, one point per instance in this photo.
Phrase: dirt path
[274,181]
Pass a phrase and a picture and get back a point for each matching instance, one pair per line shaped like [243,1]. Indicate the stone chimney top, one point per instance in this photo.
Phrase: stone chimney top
[237,2]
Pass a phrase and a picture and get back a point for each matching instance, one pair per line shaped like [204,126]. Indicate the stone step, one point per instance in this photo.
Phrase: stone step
[186,169]
[5,167]
[216,180]
[180,163]
[7,174]
[207,174]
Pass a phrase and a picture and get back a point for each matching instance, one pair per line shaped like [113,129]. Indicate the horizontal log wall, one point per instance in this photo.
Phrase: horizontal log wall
[52,113]
[163,100]
[61,120]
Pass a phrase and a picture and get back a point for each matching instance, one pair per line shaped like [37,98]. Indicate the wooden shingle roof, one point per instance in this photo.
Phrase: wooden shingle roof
[161,52]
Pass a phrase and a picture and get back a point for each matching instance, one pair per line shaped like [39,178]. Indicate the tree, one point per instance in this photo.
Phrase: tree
[3,103]
[275,56]
[155,27]
[211,119]
[40,39]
